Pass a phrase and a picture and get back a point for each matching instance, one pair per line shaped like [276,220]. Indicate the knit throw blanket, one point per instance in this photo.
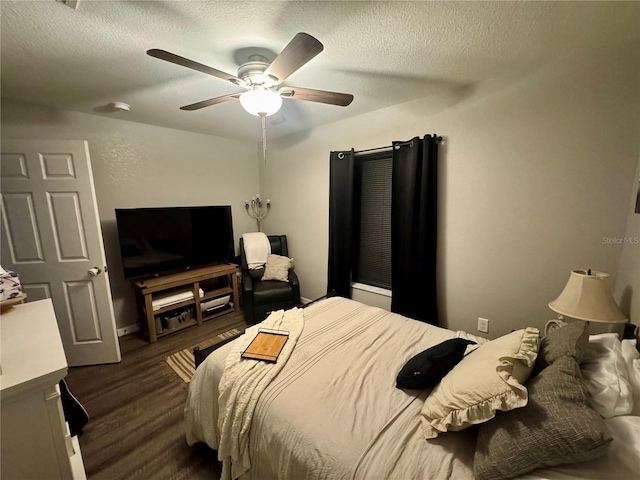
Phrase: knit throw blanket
[241,385]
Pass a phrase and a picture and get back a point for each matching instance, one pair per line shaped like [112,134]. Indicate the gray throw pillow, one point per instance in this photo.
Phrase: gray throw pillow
[572,340]
[557,426]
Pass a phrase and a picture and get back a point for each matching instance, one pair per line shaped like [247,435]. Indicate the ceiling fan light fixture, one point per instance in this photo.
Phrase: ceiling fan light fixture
[263,79]
[261,101]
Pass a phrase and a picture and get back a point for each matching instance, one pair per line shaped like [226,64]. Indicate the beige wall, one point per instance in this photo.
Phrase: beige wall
[627,289]
[534,171]
[138,165]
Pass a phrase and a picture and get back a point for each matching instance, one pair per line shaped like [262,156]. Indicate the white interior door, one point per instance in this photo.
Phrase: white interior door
[51,237]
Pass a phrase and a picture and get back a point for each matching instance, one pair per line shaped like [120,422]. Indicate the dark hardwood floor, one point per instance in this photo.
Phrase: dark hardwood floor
[136,410]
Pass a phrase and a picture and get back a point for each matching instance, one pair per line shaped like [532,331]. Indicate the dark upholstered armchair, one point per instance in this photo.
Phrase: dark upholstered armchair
[262,297]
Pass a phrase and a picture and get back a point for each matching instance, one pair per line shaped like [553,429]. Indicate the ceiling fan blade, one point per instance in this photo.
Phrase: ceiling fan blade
[211,101]
[320,96]
[299,51]
[185,62]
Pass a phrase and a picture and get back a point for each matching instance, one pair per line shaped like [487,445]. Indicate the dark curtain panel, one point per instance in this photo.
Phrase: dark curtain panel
[414,228]
[341,185]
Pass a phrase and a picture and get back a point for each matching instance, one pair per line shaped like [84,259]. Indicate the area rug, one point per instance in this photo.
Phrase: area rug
[183,363]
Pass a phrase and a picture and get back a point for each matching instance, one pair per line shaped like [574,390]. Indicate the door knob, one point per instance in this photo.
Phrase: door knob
[94,271]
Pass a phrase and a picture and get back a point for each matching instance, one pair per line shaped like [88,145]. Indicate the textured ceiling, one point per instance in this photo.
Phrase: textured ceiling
[384,53]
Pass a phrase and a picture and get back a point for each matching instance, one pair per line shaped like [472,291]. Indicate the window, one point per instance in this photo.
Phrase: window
[372,212]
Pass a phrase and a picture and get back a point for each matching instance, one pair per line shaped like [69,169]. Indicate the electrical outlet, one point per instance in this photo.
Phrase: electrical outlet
[483,325]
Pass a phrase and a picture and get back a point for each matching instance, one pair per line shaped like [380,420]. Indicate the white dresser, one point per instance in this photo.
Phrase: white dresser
[35,440]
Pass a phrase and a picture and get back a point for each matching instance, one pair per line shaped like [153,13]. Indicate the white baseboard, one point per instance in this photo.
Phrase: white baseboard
[128,329]
[304,300]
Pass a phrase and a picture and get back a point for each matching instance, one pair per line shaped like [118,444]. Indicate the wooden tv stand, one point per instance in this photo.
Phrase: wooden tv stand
[216,281]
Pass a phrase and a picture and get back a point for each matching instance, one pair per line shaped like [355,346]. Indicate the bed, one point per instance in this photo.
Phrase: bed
[333,411]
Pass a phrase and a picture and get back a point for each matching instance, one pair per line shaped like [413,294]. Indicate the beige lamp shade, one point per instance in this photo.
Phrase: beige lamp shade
[586,297]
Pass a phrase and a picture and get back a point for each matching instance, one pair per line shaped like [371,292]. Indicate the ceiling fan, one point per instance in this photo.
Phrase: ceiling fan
[263,81]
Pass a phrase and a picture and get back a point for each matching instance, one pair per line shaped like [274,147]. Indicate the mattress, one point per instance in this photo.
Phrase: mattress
[333,411]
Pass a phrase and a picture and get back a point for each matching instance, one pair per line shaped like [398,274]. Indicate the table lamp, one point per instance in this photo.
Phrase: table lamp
[586,297]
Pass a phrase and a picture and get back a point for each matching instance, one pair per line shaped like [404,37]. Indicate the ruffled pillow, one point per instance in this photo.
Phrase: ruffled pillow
[486,380]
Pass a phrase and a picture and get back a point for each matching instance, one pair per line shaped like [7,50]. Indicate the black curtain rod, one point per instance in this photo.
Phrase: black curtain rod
[389,147]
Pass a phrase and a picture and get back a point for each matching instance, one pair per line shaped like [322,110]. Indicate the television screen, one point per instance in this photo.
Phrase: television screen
[163,240]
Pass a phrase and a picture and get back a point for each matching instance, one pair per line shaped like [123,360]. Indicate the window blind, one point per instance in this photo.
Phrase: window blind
[374,249]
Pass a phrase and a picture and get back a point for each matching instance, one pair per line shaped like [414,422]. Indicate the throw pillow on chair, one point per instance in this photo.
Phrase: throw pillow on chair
[277,268]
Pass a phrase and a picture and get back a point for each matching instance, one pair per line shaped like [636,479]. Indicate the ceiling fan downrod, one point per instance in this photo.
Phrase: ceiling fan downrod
[252,72]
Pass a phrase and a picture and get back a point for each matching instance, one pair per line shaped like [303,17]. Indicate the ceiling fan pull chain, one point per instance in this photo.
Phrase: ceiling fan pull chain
[264,137]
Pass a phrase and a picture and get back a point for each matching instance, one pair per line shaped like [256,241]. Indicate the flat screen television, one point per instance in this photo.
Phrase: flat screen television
[156,241]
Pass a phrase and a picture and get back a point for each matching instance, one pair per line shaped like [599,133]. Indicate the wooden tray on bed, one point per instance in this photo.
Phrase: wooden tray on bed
[266,346]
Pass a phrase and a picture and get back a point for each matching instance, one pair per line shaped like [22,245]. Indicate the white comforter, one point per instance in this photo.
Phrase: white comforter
[333,411]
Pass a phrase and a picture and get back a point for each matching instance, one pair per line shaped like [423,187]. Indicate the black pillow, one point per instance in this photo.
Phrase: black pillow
[427,368]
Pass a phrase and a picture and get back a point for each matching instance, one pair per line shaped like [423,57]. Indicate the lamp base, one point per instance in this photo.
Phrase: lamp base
[554,324]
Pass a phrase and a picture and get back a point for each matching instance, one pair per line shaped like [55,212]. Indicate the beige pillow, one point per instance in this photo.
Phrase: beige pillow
[486,380]
[277,268]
